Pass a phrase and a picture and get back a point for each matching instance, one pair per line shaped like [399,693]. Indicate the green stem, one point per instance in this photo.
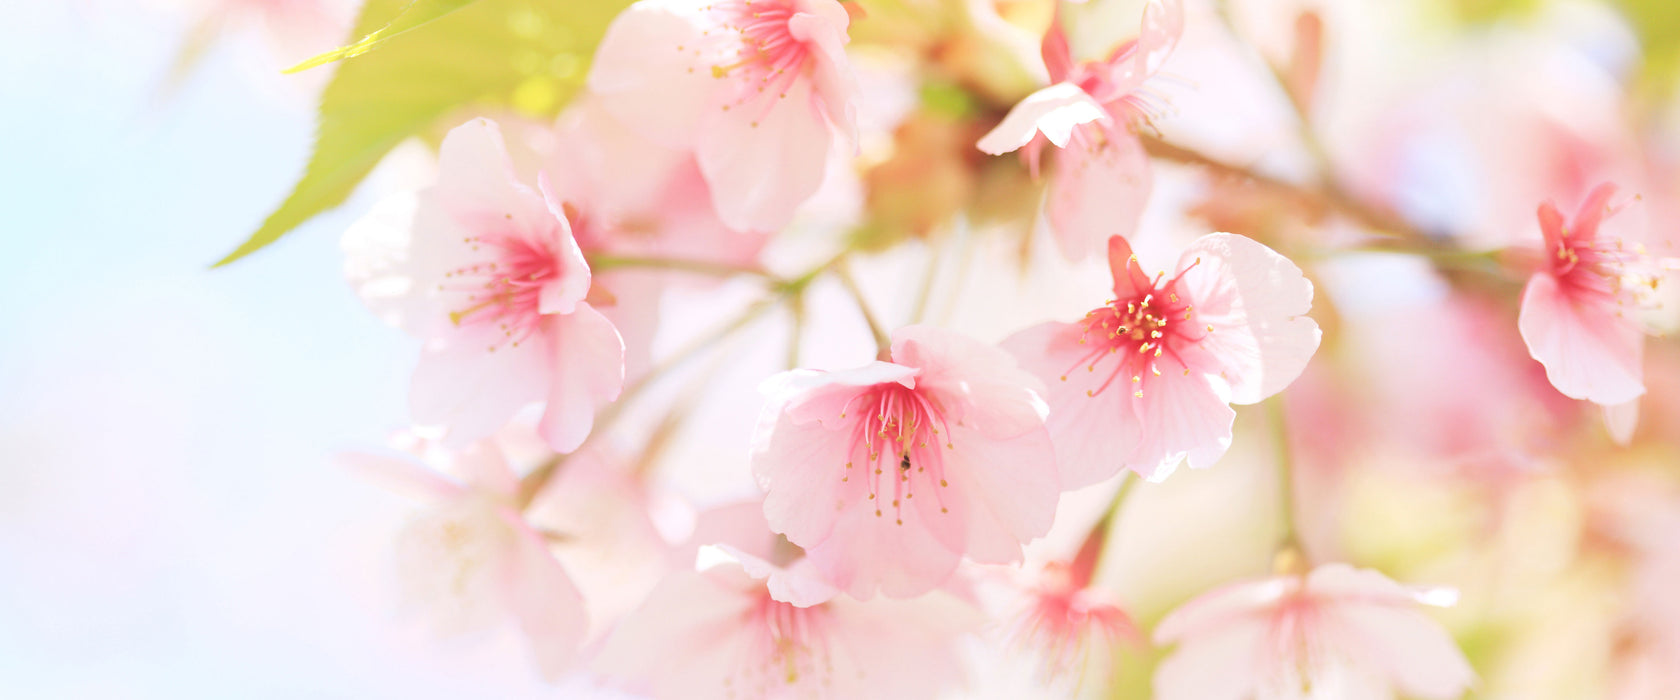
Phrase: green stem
[600,263]
[883,343]
[1289,548]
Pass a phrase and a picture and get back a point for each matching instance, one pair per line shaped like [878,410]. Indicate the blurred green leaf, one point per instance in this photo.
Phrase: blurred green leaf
[1657,24]
[417,12]
[529,56]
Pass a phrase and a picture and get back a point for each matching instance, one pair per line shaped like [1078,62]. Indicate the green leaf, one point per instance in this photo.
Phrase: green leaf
[528,56]
[417,13]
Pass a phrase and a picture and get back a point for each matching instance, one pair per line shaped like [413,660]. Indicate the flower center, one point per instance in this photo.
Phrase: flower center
[503,289]
[766,57]
[897,441]
[786,643]
[1130,337]
[1606,269]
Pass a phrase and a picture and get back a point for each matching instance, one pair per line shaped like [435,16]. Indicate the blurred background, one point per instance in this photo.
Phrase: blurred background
[171,524]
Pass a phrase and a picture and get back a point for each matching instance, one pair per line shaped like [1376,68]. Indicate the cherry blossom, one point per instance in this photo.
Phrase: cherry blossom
[1145,381]
[1338,632]
[890,473]
[1578,310]
[487,273]
[759,89]
[1101,178]
[755,621]
[1073,629]
[470,559]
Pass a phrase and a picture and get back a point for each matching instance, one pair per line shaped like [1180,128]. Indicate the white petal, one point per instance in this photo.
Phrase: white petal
[1054,110]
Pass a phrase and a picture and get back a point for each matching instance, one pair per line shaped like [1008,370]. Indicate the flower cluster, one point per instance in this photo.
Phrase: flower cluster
[910,462]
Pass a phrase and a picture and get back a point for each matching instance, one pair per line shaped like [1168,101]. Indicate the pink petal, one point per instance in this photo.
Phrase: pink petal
[379,262]
[1008,487]
[1593,211]
[1054,110]
[798,585]
[1091,433]
[1130,281]
[1413,651]
[476,179]
[1621,420]
[651,72]
[1180,416]
[799,465]
[824,30]
[681,640]
[810,396]
[765,157]
[588,374]
[1222,607]
[1216,664]
[464,386]
[981,385]
[1058,58]
[1097,191]
[572,277]
[482,465]
[543,599]
[878,555]
[1589,351]
[1256,301]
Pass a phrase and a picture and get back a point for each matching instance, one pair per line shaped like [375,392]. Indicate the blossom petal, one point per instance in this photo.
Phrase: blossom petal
[476,180]
[548,606]
[1219,664]
[1097,191]
[1621,420]
[824,30]
[1256,301]
[765,157]
[1091,433]
[1009,487]
[1413,651]
[1589,351]
[588,373]
[681,639]
[1180,416]
[651,71]
[1054,110]
[982,385]
[473,383]
[799,465]
[879,555]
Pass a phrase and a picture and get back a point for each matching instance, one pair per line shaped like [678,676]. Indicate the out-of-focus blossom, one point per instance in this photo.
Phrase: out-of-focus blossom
[1146,381]
[890,473]
[755,621]
[488,274]
[1579,309]
[1072,628]
[471,559]
[624,195]
[1101,177]
[759,89]
[1338,632]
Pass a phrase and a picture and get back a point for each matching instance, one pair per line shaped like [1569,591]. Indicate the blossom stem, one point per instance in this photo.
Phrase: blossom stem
[533,483]
[1089,559]
[701,267]
[1291,553]
[883,343]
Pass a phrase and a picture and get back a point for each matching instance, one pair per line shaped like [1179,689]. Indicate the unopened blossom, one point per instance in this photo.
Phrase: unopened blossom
[755,621]
[1146,380]
[891,473]
[487,273]
[1338,632]
[470,560]
[758,89]
[1101,177]
[1578,310]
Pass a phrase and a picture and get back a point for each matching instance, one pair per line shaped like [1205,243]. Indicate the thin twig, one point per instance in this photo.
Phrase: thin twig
[883,343]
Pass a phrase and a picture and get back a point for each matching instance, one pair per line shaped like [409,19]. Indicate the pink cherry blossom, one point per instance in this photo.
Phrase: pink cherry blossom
[757,88]
[1073,629]
[754,621]
[1338,632]
[1577,309]
[1101,177]
[624,195]
[890,473]
[470,559]
[1145,381]
[487,273]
